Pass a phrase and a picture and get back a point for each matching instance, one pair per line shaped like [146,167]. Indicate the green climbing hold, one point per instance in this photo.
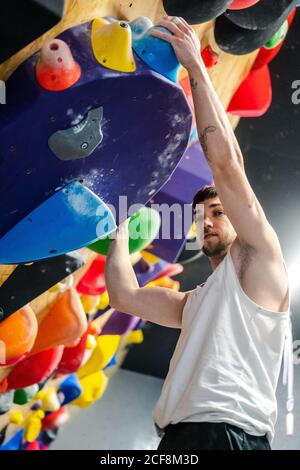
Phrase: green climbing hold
[25,395]
[143,227]
[278,36]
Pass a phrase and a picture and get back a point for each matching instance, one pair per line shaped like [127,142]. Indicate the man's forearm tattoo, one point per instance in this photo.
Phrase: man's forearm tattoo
[203,138]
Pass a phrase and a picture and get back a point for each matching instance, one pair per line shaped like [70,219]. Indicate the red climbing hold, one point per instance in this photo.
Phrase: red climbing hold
[254,95]
[93,282]
[34,369]
[56,69]
[241,4]
[209,57]
[56,419]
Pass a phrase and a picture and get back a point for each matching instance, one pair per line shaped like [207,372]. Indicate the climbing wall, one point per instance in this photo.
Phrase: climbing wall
[62,340]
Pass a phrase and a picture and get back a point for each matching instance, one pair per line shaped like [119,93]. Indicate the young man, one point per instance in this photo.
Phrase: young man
[220,388]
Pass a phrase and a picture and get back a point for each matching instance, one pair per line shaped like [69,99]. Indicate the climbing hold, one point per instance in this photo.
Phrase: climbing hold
[106,347]
[56,69]
[209,56]
[104,301]
[63,325]
[33,370]
[93,281]
[159,55]
[71,389]
[240,4]
[150,257]
[35,445]
[15,443]
[6,401]
[49,399]
[33,425]
[278,37]
[28,282]
[143,228]
[111,43]
[135,337]
[254,96]
[68,220]
[90,303]
[195,12]
[56,419]
[80,140]
[93,387]
[16,417]
[119,323]
[165,282]
[25,395]
[72,356]
[18,333]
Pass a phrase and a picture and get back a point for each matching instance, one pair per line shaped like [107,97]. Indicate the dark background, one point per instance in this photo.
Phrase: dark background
[271,149]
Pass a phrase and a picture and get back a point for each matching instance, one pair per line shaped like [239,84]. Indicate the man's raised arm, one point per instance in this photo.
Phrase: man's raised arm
[220,145]
[155,304]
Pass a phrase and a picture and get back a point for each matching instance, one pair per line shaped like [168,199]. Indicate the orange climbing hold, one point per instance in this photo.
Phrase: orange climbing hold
[64,324]
[17,335]
[56,69]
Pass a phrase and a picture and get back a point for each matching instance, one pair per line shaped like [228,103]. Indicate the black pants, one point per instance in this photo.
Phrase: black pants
[210,436]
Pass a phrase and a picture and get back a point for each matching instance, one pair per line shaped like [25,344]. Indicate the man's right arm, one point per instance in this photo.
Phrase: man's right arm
[155,304]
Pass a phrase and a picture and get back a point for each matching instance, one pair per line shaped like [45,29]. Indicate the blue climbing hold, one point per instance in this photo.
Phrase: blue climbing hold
[70,388]
[159,55]
[72,218]
[112,362]
[15,443]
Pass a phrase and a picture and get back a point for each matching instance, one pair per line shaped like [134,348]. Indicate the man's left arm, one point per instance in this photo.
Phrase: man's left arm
[220,145]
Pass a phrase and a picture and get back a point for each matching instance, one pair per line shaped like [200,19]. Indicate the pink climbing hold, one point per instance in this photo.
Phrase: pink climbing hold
[56,69]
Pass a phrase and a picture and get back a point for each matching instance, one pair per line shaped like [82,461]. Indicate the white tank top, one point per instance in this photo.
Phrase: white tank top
[227,360]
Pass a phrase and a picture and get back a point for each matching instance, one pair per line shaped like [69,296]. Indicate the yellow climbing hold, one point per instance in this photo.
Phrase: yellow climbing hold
[33,426]
[49,399]
[149,257]
[16,417]
[104,301]
[135,337]
[90,303]
[105,349]
[93,387]
[112,45]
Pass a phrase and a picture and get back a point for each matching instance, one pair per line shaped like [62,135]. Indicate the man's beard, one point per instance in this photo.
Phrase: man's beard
[216,250]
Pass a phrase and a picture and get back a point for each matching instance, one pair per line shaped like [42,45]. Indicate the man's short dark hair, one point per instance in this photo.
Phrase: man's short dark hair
[207,192]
